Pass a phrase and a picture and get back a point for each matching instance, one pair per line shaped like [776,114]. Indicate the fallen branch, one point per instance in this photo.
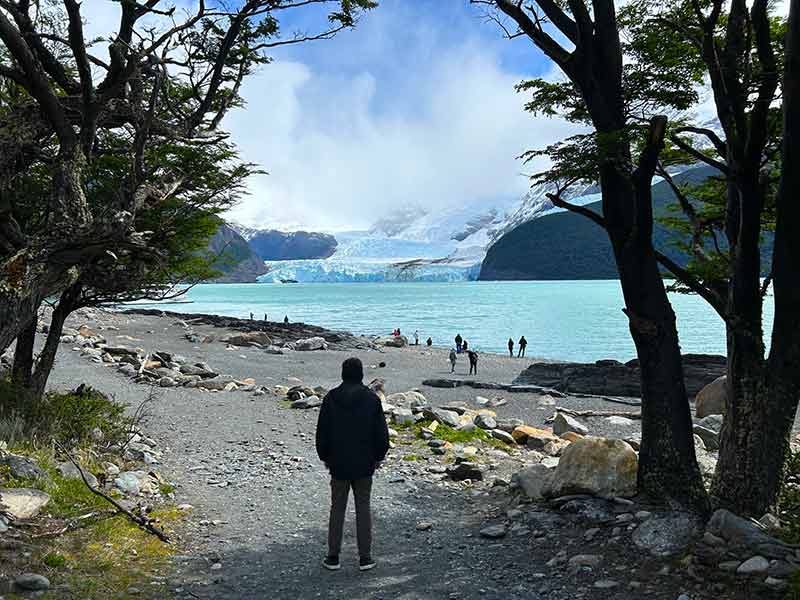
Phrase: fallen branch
[75,523]
[595,413]
[141,521]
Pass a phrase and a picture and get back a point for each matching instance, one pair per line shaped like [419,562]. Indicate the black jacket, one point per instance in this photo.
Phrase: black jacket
[352,436]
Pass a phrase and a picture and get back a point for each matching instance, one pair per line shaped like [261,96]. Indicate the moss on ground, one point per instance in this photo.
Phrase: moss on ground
[103,556]
[452,435]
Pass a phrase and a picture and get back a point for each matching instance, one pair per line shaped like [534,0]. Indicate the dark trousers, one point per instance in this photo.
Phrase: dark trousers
[521,351]
[473,368]
[511,352]
[340,489]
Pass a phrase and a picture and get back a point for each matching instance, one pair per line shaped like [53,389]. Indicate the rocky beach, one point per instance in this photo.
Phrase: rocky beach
[495,487]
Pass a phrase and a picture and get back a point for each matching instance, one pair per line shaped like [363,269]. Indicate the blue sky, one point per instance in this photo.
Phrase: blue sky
[415,106]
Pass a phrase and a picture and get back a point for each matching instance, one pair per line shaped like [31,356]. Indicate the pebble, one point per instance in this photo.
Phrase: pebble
[605,584]
[32,582]
[494,531]
[757,565]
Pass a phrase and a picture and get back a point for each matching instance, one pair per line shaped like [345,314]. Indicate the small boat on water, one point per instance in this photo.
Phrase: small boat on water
[289,281]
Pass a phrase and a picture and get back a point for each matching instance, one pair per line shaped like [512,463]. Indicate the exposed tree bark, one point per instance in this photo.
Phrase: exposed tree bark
[69,301]
[667,463]
[23,354]
[756,433]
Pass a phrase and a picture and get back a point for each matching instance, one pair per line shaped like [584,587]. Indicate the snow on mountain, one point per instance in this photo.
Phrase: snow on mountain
[414,244]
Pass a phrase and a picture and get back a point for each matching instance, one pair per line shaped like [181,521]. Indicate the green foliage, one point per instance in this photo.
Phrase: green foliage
[68,417]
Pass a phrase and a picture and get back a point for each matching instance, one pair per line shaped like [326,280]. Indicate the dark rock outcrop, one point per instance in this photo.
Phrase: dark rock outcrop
[298,245]
[236,260]
[613,378]
[566,245]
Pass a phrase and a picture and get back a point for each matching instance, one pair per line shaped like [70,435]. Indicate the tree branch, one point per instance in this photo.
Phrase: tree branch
[694,284]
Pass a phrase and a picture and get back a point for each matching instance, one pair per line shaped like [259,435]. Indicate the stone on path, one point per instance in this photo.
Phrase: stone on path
[494,532]
[503,436]
[21,467]
[597,466]
[533,480]
[757,565]
[70,471]
[465,470]
[533,437]
[563,423]
[392,341]
[485,422]
[666,535]
[32,582]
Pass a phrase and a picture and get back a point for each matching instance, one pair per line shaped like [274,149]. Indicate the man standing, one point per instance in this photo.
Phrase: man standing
[523,343]
[352,438]
[511,347]
[473,362]
[452,360]
[458,343]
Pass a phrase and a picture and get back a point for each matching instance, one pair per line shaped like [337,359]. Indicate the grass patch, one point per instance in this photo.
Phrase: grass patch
[104,556]
[449,434]
[412,457]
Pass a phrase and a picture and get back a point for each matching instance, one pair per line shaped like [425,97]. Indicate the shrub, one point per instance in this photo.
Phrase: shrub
[68,417]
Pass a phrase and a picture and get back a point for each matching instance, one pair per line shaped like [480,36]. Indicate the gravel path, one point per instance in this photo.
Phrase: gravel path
[258,528]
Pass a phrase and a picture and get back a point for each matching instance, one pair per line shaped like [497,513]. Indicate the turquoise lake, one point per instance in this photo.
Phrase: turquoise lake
[567,320]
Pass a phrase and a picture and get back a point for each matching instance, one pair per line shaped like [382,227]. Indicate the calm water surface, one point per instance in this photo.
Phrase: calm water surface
[568,320]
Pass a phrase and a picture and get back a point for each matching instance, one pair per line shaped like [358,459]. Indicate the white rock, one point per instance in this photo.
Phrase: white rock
[757,565]
[23,503]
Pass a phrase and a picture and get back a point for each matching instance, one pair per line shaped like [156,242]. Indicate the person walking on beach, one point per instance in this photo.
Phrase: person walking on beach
[523,343]
[511,347]
[352,440]
[453,358]
[416,337]
[429,342]
[464,346]
[286,320]
[458,343]
[473,362]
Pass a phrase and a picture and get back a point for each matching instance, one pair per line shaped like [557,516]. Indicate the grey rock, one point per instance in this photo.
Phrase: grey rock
[22,467]
[127,369]
[712,399]
[597,466]
[485,422]
[756,565]
[32,582]
[129,482]
[586,560]
[494,532]
[403,416]
[447,417]
[564,423]
[712,422]
[465,470]
[666,535]
[167,382]
[710,437]
[533,480]
[70,471]
[503,436]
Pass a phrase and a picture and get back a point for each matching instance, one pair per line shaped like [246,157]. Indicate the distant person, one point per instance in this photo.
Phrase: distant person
[459,339]
[473,362]
[523,343]
[429,341]
[352,440]
[464,346]
[251,316]
[265,316]
[453,359]
[416,337]
[286,320]
[511,347]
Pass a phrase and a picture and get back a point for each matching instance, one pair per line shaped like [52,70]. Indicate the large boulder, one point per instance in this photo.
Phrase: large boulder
[310,344]
[711,400]
[448,417]
[23,503]
[597,466]
[251,338]
[392,341]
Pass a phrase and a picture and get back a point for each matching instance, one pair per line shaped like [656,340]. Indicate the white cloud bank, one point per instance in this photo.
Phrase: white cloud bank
[340,155]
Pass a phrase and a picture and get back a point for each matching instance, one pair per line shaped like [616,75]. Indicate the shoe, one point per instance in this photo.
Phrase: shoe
[365,564]
[331,563]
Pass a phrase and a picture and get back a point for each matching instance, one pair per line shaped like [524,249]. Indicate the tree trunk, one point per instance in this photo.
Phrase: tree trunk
[23,355]
[667,463]
[66,304]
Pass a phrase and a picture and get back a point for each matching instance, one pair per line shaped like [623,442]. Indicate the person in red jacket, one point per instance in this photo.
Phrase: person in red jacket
[352,439]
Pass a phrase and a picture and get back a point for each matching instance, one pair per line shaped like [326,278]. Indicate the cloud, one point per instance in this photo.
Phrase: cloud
[424,120]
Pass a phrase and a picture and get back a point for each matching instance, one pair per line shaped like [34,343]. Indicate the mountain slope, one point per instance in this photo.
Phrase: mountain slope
[564,245]
[271,244]
[236,259]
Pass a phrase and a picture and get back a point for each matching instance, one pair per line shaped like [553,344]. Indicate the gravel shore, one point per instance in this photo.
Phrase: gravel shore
[258,528]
